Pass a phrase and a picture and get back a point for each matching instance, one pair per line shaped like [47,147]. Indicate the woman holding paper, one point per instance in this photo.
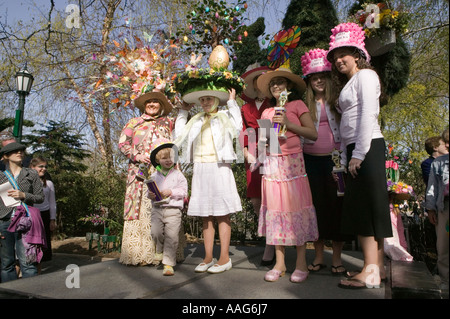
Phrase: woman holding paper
[287,219]
[24,188]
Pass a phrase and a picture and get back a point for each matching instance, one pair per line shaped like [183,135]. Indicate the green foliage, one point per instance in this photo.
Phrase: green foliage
[250,52]
[212,23]
[393,67]
[316,18]
[211,78]
[61,146]
[79,192]
[9,122]
[244,224]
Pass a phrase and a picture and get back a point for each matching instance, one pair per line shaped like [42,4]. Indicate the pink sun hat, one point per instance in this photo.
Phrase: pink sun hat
[347,35]
[315,61]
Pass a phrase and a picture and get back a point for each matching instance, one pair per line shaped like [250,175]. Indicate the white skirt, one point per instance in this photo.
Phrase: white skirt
[214,191]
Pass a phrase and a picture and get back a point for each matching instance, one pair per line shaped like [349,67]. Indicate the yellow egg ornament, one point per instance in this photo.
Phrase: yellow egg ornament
[219,58]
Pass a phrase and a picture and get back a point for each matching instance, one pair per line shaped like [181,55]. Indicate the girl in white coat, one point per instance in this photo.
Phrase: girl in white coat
[207,140]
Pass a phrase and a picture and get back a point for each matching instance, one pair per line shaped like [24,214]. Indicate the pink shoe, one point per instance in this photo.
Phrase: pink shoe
[273,275]
[299,276]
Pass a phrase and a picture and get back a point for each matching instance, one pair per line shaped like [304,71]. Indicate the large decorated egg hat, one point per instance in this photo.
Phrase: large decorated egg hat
[347,35]
[315,61]
[215,81]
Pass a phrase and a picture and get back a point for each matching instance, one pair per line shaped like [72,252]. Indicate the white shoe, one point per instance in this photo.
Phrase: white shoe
[220,268]
[204,267]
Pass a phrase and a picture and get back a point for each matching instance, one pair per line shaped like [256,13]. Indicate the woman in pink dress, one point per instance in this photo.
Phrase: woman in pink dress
[287,216]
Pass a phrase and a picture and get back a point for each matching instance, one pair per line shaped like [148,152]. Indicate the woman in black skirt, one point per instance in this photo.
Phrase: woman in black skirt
[365,211]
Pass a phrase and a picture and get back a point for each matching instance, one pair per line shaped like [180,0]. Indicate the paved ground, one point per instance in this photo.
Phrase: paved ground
[240,292]
[111,280]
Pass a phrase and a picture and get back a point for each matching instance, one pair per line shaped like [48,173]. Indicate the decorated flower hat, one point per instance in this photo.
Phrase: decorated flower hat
[347,35]
[160,144]
[315,61]
[154,90]
[250,74]
[283,71]
[213,81]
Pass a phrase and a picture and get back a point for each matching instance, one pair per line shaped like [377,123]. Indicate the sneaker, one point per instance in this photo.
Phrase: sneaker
[158,257]
[168,271]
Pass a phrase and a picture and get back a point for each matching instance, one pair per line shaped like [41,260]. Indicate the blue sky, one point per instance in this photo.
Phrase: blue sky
[12,11]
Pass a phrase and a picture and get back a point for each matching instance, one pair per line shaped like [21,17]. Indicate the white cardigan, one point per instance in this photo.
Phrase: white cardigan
[360,107]
[223,141]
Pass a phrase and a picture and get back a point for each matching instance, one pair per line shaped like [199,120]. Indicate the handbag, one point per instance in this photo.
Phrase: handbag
[14,184]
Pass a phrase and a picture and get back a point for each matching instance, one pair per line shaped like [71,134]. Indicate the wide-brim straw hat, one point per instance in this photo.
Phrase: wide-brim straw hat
[163,100]
[208,89]
[250,74]
[264,80]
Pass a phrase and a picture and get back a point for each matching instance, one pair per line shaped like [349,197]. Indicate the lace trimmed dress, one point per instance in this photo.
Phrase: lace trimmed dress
[287,215]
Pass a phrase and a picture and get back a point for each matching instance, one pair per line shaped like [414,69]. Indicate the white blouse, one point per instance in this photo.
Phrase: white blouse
[360,106]
[49,201]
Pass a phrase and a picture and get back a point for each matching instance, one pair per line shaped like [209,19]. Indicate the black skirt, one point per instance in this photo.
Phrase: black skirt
[327,204]
[365,209]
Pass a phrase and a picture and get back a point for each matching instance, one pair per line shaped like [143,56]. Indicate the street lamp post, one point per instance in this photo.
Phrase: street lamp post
[24,81]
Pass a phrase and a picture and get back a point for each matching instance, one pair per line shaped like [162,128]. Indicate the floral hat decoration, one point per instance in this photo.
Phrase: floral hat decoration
[374,18]
[400,189]
[213,81]
[136,72]
[315,61]
[347,35]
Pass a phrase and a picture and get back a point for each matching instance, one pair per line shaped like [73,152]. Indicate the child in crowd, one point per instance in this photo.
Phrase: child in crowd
[436,202]
[166,214]
[287,216]
[209,136]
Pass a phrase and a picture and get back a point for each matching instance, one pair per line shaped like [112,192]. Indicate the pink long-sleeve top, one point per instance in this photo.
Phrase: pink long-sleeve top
[176,182]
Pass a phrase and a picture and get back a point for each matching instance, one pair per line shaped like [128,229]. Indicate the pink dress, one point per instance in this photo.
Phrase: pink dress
[287,215]
[395,247]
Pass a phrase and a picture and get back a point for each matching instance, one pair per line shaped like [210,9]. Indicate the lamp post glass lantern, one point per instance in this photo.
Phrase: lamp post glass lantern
[24,81]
